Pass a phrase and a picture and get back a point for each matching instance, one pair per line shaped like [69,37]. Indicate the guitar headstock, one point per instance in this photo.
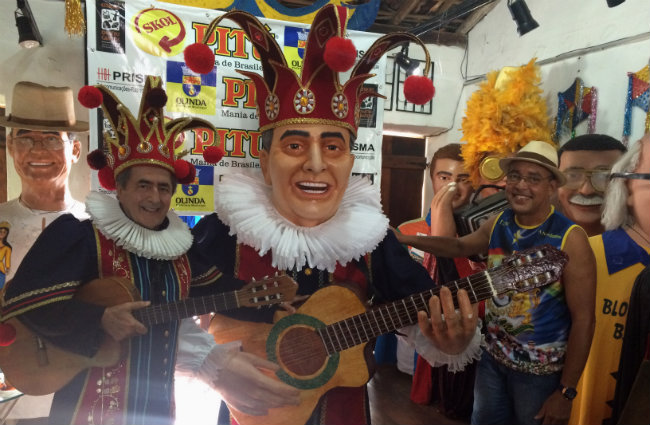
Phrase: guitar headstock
[532,268]
[267,291]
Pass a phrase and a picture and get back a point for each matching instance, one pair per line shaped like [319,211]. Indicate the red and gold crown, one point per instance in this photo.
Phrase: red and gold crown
[316,96]
[148,139]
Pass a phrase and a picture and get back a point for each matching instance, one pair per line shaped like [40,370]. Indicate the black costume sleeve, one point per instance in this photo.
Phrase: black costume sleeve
[395,275]
[635,341]
[63,257]
[212,259]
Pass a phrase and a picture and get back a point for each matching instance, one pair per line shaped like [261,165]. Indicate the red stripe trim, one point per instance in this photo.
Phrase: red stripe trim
[44,297]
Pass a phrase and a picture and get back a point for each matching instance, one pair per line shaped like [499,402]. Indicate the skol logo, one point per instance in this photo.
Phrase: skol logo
[158,32]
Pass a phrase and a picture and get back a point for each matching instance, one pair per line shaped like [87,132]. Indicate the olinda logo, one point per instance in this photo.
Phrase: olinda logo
[158,32]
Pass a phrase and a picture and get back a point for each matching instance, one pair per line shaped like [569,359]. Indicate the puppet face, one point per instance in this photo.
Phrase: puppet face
[146,196]
[308,167]
[43,157]
[448,170]
[582,202]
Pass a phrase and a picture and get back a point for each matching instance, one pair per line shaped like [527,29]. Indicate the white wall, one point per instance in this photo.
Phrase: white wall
[59,62]
[583,39]
[448,84]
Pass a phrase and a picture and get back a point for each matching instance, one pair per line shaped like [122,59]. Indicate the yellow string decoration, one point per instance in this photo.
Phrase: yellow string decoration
[505,113]
[75,23]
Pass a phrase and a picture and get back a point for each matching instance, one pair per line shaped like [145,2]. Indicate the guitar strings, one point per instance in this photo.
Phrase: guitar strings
[406,309]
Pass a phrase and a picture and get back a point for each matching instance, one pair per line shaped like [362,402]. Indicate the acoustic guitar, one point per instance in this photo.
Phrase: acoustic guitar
[322,345]
[36,367]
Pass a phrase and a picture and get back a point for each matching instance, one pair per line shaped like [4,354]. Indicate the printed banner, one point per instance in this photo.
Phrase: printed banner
[135,38]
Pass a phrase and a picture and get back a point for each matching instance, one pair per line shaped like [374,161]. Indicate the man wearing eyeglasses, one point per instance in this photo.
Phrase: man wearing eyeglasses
[622,251]
[586,162]
[43,144]
[537,342]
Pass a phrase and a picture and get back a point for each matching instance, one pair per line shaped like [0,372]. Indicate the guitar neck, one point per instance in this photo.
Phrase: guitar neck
[162,313]
[387,318]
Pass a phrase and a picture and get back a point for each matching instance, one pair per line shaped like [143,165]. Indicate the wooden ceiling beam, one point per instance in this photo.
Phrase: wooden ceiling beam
[440,38]
[442,5]
[475,18]
[404,10]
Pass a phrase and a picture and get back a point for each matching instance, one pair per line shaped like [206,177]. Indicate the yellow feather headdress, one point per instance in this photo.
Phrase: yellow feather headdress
[505,113]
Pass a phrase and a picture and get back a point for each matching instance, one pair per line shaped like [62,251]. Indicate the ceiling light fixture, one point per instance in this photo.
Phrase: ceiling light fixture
[612,3]
[521,15]
[409,65]
[28,34]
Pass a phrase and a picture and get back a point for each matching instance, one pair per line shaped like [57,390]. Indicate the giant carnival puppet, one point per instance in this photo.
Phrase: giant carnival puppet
[307,217]
[73,288]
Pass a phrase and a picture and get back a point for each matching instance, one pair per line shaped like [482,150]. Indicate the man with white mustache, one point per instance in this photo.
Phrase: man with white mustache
[586,161]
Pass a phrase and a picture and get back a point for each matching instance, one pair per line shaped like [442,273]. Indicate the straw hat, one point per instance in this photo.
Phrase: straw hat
[540,153]
[41,108]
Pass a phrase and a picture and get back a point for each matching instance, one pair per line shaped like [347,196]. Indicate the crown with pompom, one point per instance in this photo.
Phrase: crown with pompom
[146,139]
[316,96]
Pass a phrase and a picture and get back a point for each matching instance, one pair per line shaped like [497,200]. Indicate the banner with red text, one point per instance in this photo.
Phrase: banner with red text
[130,39]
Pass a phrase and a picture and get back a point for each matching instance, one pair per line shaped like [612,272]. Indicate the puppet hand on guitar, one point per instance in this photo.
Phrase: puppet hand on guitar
[238,377]
[450,330]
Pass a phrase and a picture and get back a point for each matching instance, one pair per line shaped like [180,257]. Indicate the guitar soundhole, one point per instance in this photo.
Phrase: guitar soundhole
[301,351]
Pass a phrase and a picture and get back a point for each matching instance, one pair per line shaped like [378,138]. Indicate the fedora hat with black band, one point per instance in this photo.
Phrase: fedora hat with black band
[41,108]
[537,152]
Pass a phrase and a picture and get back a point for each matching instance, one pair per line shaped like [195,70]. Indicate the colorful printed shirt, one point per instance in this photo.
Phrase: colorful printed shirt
[528,331]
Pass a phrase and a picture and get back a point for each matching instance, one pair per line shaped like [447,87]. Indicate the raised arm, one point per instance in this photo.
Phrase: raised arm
[472,244]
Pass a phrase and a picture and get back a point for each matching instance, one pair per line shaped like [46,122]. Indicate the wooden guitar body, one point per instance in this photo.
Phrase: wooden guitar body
[296,347]
[37,367]
[322,345]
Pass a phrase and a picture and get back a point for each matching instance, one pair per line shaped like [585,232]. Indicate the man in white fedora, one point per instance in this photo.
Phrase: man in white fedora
[537,342]
[43,144]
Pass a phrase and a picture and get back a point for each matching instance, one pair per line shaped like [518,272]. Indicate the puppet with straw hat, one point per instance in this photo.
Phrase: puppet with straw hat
[308,217]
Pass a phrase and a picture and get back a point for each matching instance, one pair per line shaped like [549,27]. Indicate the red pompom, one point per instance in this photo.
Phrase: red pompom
[106,178]
[340,54]
[199,58]
[7,334]
[213,154]
[157,97]
[418,89]
[96,159]
[185,172]
[90,97]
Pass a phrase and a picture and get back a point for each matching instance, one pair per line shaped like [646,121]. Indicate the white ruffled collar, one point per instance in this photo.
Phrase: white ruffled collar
[167,244]
[244,203]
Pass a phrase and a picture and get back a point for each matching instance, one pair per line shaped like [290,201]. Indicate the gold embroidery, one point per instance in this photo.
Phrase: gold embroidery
[35,306]
[71,284]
